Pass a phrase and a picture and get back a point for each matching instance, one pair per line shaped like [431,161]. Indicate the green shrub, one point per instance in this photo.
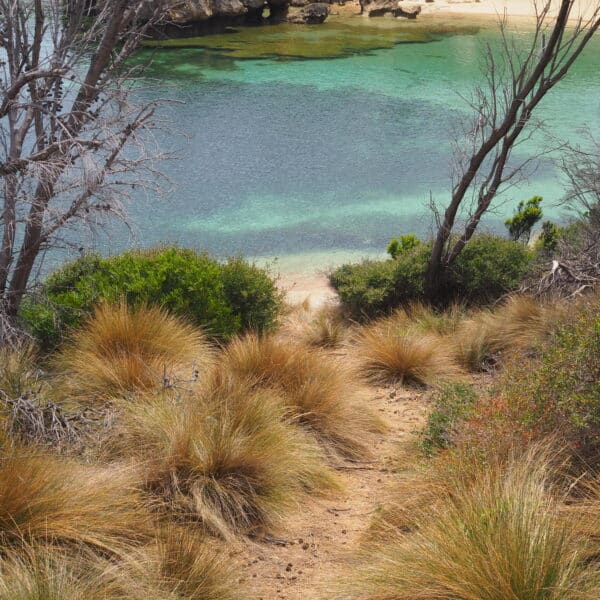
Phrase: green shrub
[560,389]
[404,244]
[525,217]
[451,405]
[224,299]
[549,237]
[372,288]
[487,268]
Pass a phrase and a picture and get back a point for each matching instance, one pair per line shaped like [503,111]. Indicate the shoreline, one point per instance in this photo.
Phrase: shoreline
[524,10]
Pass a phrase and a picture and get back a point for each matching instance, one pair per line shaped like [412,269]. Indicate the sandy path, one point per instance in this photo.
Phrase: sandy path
[317,539]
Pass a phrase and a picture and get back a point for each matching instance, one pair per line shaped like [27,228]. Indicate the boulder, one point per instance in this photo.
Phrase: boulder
[408,11]
[378,8]
[193,11]
[312,14]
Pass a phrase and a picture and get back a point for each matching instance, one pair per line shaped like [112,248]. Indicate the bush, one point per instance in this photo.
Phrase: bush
[372,288]
[224,299]
[487,268]
[451,405]
[560,390]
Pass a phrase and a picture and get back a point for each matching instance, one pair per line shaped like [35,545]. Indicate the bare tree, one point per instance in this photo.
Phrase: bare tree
[70,139]
[516,80]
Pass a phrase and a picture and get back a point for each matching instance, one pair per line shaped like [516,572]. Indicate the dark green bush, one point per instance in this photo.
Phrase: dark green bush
[526,216]
[451,406]
[371,288]
[225,299]
[487,268]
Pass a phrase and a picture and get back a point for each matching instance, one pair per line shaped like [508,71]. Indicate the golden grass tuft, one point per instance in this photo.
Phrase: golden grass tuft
[518,325]
[18,372]
[323,394]
[231,459]
[42,573]
[44,498]
[496,535]
[394,350]
[121,350]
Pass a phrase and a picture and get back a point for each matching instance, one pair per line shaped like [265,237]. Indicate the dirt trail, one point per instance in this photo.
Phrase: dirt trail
[313,548]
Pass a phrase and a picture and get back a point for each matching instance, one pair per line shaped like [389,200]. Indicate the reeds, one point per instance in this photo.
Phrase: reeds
[120,350]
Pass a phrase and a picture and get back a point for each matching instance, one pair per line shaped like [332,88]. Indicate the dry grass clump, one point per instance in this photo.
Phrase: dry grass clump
[18,372]
[520,324]
[191,568]
[323,394]
[392,350]
[325,327]
[123,350]
[231,460]
[46,498]
[41,573]
[497,535]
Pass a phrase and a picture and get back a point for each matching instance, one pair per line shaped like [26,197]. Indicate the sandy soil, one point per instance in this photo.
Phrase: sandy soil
[301,561]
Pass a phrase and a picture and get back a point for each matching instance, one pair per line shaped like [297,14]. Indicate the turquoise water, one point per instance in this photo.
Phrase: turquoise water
[285,154]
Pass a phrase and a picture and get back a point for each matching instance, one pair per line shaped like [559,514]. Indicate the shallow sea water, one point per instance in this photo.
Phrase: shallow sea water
[318,144]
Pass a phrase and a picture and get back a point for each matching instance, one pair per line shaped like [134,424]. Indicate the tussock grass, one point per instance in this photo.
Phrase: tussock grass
[518,325]
[393,349]
[230,459]
[18,372]
[191,567]
[323,394]
[46,498]
[42,573]
[121,350]
[495,535]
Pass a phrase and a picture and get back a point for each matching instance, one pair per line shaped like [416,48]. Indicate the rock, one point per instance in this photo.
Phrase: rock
[378,8]
[408,11]
[312,14]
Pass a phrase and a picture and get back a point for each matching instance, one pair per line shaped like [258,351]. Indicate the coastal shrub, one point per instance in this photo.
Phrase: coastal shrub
[224,299]
[372,288]
[451,406]
[486,269]
[121,349]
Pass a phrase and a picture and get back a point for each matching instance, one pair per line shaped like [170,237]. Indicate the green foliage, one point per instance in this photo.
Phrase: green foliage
[560,389]
[549,237]
[251,294]
[451,406]
[407,242]
[224,299]
[525,217]
[372,288]
[487,268]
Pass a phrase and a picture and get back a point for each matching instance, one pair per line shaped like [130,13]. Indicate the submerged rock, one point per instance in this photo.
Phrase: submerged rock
[312,14]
